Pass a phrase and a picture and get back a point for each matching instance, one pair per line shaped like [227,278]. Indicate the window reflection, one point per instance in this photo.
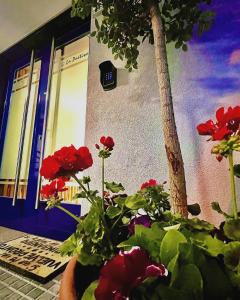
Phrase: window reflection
[67,106]
[13,132]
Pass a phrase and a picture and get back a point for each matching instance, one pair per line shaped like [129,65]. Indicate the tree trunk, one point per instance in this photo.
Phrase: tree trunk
[172,146]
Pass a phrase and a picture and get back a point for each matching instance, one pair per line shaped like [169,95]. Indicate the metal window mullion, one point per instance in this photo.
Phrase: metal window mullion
[23,130]
[47,100]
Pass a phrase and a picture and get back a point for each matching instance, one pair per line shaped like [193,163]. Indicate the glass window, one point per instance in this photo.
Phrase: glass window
[67,105]
[13,131]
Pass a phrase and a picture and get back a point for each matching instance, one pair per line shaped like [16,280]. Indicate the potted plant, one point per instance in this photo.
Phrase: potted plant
[132,246]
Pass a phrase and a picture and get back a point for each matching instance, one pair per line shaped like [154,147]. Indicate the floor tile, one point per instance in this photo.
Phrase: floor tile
[18,284]
[4,293]
[46,296]
[35,293]
[26,289]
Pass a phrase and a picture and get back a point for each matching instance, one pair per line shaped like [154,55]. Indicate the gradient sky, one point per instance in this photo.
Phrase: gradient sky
[222,47]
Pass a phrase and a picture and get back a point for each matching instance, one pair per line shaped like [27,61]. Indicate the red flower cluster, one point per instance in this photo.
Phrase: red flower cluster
[107,142]
[66,162]
[124,272]
[151,182]
[53,188]
[227,124]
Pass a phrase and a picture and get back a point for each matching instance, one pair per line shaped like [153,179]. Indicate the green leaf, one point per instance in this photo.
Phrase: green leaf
[232,256]
[232,229]
[169,293]
[173,268]
[169,245]
[125,220]
[86,179]
[113,211]
[80,195]
[194,209]
[236,170]
[114,187]
[198,224]
[135,201]
[216,283]
[210,244]
[178,44]
[93,33]
[148,239]
[217,208]
[97,24]
[89,292]
[71,246]
[120,201]
[190,280]
[184,47]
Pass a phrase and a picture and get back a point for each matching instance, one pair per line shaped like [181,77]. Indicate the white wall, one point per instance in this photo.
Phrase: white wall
[131,115]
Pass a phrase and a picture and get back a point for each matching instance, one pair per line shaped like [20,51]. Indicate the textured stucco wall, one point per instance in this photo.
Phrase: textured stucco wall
[131,115]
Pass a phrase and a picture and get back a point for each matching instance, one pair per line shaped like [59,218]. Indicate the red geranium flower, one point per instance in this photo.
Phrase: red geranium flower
[53,188]
[107,142]
[124,272]
[226,124]
[151,182]
[66,157]
[66,162]
[50,167]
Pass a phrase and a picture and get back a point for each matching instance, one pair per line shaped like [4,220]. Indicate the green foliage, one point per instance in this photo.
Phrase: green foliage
[114,187]
[126,23]
[89,292]
[170,244]
[226,147]
[236,170]
[194,209]
[216,284]
[89,242]
[135,202]
[232,229]
[232,262]
[148,239]
[113,212]
[192,260]
[190,281]
[211,245]
[157,201]
[217,208]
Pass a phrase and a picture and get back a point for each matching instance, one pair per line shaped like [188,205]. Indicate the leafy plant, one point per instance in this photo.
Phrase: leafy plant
[141,247]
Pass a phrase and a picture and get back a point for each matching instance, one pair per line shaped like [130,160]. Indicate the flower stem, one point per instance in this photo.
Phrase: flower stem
[233,187]
[103,210]
[69,213]
[83,187]
[103,178]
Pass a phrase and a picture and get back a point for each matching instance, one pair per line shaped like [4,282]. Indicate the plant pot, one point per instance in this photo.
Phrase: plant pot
[76,278]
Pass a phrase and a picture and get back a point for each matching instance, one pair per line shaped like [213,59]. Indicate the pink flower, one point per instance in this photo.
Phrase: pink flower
[124,272]
[151,182]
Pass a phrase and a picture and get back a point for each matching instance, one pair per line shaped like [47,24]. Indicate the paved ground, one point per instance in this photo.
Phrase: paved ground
[16,287]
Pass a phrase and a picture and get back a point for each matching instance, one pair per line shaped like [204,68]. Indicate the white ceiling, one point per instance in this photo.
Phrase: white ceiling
[18,18]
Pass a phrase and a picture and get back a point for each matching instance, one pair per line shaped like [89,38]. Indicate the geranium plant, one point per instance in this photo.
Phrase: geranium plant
[141,249]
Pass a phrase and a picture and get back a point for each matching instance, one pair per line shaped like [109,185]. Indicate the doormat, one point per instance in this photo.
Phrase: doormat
[35,257]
